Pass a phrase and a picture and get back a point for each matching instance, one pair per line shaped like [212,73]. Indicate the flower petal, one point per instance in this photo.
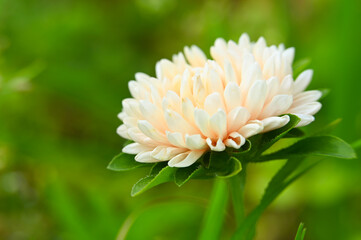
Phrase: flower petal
[272,123]
[185,159]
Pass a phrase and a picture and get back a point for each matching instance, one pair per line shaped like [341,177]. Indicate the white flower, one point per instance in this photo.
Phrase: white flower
[194,105]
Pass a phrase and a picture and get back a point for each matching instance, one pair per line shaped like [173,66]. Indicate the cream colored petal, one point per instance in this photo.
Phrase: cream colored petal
[137,136]
[252,128]
[230,74]
[195,142]
[195,56]
[272,88]
[256,98]
[302,81]
[176,123]
[188,110]
[232,96]
[272,123]
[217,146]
[235,140]
[307,109]
[135,148]
[185,159]
[289,55]
[218,124]
[145,157]
[213,102]
[201,119]
[164,153]
[176,139]
[122,131]
[286,85]
[214,82]
[150,131]
[152,114]
[237,118]
[244,41]
[278,105]
[306,97]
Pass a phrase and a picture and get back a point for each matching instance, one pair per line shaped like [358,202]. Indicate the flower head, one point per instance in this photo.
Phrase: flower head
[195,104]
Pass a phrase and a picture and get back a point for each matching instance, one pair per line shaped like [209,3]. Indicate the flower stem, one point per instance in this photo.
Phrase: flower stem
[237,185]
[213,221]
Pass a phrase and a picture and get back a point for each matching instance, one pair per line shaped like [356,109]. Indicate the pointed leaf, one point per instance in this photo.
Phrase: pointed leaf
[125,162]
[329,146]
[157,176]
[194,171]
[278,183]
[301,232]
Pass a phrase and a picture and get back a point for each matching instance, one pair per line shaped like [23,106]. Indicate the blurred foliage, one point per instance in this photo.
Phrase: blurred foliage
[64,68]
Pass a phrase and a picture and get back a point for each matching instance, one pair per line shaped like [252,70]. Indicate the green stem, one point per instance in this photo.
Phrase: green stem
[237,186]
[213,221]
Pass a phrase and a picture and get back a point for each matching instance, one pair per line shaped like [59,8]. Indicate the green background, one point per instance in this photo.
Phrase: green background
[64,69]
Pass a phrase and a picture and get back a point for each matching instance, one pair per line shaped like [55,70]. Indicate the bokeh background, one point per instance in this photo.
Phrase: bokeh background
[64,69]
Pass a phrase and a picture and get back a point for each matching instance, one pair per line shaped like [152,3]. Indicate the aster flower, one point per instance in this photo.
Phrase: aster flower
[195,104]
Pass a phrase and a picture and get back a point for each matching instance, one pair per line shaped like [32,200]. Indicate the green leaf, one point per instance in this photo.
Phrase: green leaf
[300,66]
[195,171]
[125,162]
[278,183]
[329,146]
[328,128]
[294,133]
[158,175]
[233,167]
[301,232]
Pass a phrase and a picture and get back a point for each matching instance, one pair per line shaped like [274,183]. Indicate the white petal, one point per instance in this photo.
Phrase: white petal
[218,124]
[201,119]
[152,114]
[230,74]
[302,81]
[272,123]
[289,54]
[272,88]
[188,110]
[213,102]
[164,153]
[145,157]
[137,136]
[235,140]
[256,98]
[286,85]
[176,139]
[176,123]
[305,119]
[185,159]
[195,142]
[305,97]
[214,82]
[216,145]
[307,109]
[252,128]
[135,148]
[237,118]
[244,41]
[150,131]
[232,96]
[278,105]
[195,56]
[122,131]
